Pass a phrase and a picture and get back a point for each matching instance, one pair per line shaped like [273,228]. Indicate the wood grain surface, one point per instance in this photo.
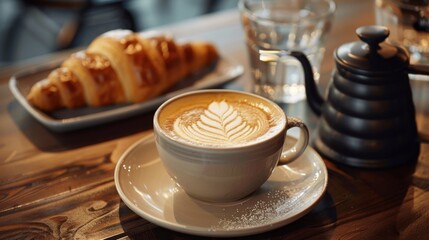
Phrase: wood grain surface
[60,185]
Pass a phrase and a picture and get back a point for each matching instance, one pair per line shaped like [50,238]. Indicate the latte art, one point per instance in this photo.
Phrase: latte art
[220,119]
[221,124]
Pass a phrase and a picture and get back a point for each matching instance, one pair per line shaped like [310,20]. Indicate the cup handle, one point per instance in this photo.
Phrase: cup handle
[301,144]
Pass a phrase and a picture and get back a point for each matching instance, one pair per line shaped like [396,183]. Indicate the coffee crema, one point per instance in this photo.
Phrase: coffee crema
[220,119]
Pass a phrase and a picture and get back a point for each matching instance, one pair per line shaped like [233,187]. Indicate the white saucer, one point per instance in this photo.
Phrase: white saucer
[147,189]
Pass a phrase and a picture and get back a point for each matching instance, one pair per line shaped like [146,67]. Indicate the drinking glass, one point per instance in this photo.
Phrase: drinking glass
[285,25]
[408,23]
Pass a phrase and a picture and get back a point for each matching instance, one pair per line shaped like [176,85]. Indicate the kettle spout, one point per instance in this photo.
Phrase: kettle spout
[314,99]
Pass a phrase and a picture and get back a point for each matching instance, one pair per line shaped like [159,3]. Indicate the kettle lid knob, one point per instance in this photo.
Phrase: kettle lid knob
[373,35]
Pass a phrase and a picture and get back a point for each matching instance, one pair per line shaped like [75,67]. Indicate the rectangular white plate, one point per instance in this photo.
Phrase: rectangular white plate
[70,119]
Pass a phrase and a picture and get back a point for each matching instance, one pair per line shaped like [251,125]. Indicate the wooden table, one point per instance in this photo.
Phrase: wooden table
[60,185]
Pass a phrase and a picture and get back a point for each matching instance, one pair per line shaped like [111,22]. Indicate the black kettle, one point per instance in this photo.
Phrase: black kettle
[368,116]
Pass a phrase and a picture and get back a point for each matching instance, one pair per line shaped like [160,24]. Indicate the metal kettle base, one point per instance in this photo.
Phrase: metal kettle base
[411,155]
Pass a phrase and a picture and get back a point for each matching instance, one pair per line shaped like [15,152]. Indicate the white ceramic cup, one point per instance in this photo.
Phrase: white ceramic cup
[227,172]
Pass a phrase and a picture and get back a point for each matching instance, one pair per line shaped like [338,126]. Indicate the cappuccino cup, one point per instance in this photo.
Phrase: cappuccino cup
[222,145]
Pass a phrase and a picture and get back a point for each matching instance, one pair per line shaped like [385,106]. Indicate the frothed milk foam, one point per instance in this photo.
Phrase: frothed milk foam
[224,119]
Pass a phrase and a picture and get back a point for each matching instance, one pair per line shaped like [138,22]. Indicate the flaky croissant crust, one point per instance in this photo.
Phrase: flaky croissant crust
[120,66]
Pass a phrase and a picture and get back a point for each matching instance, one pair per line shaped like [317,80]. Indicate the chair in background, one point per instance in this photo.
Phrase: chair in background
[50,25]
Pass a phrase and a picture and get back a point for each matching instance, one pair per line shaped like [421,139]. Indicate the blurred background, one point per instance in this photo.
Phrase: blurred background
[31,28]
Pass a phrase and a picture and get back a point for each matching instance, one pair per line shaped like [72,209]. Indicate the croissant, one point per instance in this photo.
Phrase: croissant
[120,66]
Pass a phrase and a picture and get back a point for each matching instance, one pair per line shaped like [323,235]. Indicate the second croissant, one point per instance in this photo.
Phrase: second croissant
[120,66]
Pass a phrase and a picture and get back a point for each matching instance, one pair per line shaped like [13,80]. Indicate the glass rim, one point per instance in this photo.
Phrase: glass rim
[329,11]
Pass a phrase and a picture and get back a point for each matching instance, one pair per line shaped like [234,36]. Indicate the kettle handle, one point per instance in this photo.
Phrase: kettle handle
[314,98]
